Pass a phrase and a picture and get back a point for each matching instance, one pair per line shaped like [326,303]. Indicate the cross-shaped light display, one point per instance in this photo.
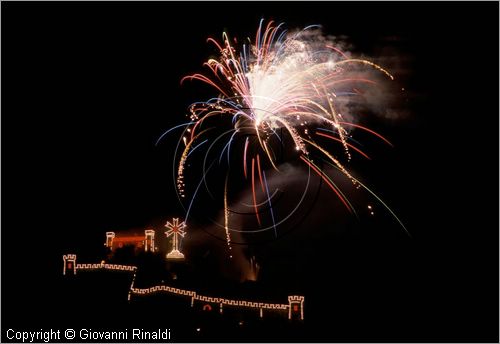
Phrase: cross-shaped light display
[175,229]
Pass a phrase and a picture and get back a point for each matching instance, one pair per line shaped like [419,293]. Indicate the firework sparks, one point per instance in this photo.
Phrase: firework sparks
[286,82]
[226,218]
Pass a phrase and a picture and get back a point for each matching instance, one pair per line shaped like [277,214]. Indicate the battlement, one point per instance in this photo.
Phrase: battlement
[295,298]
[69,263]
[295,306]
[209,299]
[106,266]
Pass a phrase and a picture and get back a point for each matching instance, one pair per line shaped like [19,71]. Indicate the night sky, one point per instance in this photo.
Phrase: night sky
[88,88]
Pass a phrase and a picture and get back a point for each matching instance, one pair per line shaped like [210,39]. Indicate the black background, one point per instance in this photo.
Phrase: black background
[87,89]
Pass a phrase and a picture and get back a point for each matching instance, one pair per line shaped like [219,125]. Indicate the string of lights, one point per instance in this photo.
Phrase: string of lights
[295,302]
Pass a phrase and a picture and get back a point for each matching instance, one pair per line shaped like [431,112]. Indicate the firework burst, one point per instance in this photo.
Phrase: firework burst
[282,81]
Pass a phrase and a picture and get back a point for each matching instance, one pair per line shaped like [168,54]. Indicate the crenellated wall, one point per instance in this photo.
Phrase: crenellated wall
[294,308]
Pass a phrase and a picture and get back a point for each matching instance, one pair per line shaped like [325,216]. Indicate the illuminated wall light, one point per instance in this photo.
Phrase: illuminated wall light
[295,302]
[109,239]
[149,240]
[69,263]
[203,298]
